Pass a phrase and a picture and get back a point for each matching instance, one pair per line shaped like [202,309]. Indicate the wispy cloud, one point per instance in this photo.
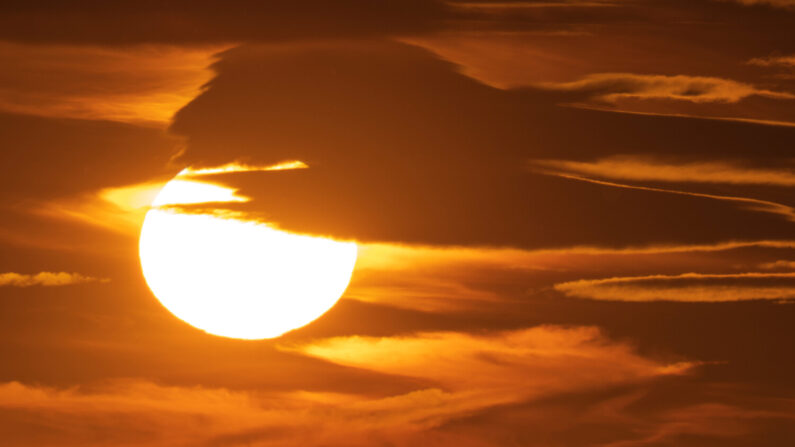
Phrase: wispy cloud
[765,206]
[529,362]
[134,413]
[463,374]
[788,4]
[778,265]
[639,168]
[726,422]
[145,84]
[688,287]
[47,279]
[774,61]
[443,279]
[242,167]
[122,209]
[611,87]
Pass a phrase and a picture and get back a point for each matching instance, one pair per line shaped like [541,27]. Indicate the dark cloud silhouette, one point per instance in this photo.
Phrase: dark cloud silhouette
[391,133]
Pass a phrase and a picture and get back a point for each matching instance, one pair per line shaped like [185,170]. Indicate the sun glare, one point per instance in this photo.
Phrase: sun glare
[233,277]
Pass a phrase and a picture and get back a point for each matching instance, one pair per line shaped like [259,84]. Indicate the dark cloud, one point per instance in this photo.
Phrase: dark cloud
[391,133]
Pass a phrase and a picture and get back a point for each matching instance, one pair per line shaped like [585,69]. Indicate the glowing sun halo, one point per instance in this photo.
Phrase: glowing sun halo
[237,278]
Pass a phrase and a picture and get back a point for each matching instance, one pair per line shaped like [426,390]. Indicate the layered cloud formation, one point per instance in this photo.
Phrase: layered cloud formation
[574,220]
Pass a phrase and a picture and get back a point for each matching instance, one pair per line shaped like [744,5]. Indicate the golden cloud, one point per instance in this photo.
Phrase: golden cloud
[476,374]
[47,279]
[774,3]
[779,265]
[473,373]
[774,61]
[141,84]
[508,365]
[611,87]
[688,287]
[639,168]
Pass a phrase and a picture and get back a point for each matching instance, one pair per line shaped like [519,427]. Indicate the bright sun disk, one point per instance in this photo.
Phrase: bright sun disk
[237,278]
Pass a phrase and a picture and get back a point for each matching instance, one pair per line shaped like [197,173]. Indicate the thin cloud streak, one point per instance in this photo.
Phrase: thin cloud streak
[687,287]
[639,168]
[46,279]
[786,4]
[735,119]
[774,61]
[778,265]
[500,363]
[753,204]
[242,167]
[611,87]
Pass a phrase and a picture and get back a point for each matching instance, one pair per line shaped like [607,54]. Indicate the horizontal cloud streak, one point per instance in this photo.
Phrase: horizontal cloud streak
[242,167]
[765,206]
[639,168]
[788,4]
[688,287]
[773,61]
[47,279]
[553,357]
[698,89]
[781,264]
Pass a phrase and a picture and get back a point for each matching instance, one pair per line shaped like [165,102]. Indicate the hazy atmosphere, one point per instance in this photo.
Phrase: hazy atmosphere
[397,223]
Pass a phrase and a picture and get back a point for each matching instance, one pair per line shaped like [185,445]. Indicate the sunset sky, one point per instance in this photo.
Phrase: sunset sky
[557,223]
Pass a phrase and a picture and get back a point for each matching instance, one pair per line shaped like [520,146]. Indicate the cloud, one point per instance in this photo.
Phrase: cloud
[730,423]
[687,287]
[122,209]
[140,84]
[778,265]
[242,167]
[611,87]
[641,168]
[473,373]
[764,206]
[774,61]
[512,364]
[787,4]
[449,279]
[450,149]
[47,279]
[137,412]
[73,161]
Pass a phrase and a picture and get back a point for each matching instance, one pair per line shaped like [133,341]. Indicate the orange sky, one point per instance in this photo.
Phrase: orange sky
[574,220]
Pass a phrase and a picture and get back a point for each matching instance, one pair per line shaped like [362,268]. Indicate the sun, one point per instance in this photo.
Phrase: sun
[234,277]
